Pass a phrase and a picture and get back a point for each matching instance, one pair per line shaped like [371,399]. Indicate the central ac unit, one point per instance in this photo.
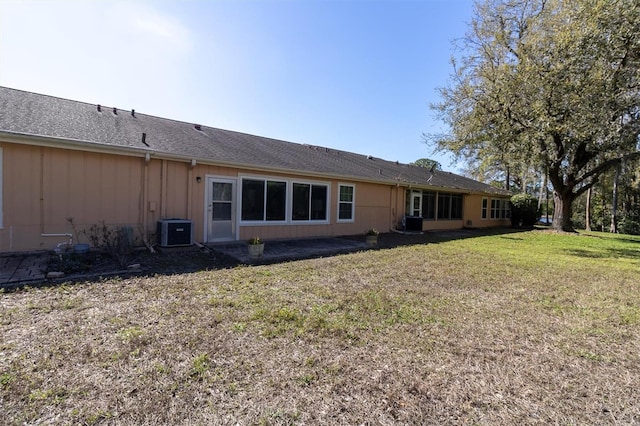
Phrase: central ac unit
[175,233]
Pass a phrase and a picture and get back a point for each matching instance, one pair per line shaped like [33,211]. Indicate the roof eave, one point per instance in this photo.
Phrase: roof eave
[90,146]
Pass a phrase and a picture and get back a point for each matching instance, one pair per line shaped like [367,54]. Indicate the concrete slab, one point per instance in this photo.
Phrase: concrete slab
[19,268]
[283,250]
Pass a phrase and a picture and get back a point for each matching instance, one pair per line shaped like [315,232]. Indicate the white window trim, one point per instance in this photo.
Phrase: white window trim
[497,210]
[486,210]
[353,204]
[262,222]
[288,204]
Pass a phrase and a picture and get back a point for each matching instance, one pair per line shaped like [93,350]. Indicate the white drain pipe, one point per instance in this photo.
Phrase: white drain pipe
[57,249]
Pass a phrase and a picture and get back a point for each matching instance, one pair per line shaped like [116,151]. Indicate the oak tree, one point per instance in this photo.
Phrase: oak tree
[553,84]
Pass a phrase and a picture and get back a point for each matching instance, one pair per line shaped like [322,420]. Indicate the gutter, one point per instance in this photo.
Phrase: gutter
[89,146]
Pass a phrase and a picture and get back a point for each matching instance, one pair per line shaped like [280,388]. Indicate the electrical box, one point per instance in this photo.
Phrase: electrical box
[175,233]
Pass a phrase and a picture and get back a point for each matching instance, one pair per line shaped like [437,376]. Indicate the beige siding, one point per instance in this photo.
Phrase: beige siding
[373,209]
[43,187]
[473,212]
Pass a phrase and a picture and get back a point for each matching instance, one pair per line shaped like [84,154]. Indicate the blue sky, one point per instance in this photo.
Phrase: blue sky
[352,75]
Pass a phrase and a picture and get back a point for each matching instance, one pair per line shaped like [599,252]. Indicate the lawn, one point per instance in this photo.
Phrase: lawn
[532,328]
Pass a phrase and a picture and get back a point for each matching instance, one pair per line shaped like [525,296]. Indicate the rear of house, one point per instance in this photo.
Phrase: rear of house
[66,166]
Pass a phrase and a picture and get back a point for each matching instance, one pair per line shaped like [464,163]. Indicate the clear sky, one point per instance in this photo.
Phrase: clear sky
[353,75]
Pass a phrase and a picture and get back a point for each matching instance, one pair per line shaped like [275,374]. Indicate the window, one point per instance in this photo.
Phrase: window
[429,205]
[456,206]
[449,206]
[276,201]
[495,209]
[263,200]
[485,206]
[444,206]
[273,200]
[506,209]
[309,202]
[346,203]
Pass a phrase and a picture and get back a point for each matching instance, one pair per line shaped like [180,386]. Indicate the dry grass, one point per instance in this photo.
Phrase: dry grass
[530,328]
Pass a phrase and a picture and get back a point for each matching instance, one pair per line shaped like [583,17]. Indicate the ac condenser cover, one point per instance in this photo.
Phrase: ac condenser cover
[175,233]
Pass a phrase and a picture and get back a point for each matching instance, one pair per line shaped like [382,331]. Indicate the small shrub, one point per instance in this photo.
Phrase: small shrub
[201,365]
[524,211]
[116,242]
[629,224]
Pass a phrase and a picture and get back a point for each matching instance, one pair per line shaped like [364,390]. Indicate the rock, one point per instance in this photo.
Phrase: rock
[55,274]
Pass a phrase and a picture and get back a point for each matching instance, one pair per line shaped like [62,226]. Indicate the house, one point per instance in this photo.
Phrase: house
[62,159]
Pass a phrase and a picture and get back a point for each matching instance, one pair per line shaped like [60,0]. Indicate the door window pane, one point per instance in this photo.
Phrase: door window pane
[221,211]
[221,191]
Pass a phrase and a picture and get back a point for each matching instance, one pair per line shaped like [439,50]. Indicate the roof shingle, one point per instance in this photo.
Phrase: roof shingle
[31,114]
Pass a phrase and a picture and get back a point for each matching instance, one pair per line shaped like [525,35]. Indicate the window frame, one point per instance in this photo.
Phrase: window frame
[341,202]
[311,184]
[496,208]
[505,212]
[265,192]
[288,202]
[429,205]
[445,206]
[484,209]
[452,209]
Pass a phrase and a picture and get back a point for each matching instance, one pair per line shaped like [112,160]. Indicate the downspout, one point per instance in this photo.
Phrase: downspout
[192,165]
[163,189]
[392,213]
[41,190]
[145,197]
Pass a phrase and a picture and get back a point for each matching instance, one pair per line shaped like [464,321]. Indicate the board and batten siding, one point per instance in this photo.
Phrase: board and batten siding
[45,187]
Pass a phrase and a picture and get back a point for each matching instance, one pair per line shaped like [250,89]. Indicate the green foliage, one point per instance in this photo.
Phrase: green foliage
[427,163]
[201,364]
[547,84]
[630,223]
[524,211]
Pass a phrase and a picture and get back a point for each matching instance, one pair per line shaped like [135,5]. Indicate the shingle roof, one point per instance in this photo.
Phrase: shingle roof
[31,114]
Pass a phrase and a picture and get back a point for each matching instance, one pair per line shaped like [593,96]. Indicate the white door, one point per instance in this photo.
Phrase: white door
[221,209]
[416,203]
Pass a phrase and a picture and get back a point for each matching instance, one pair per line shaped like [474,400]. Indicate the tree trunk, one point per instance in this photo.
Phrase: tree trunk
[544,189]
[614,203]
[541,192]
[506,186]
[587,216]
[562,211]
